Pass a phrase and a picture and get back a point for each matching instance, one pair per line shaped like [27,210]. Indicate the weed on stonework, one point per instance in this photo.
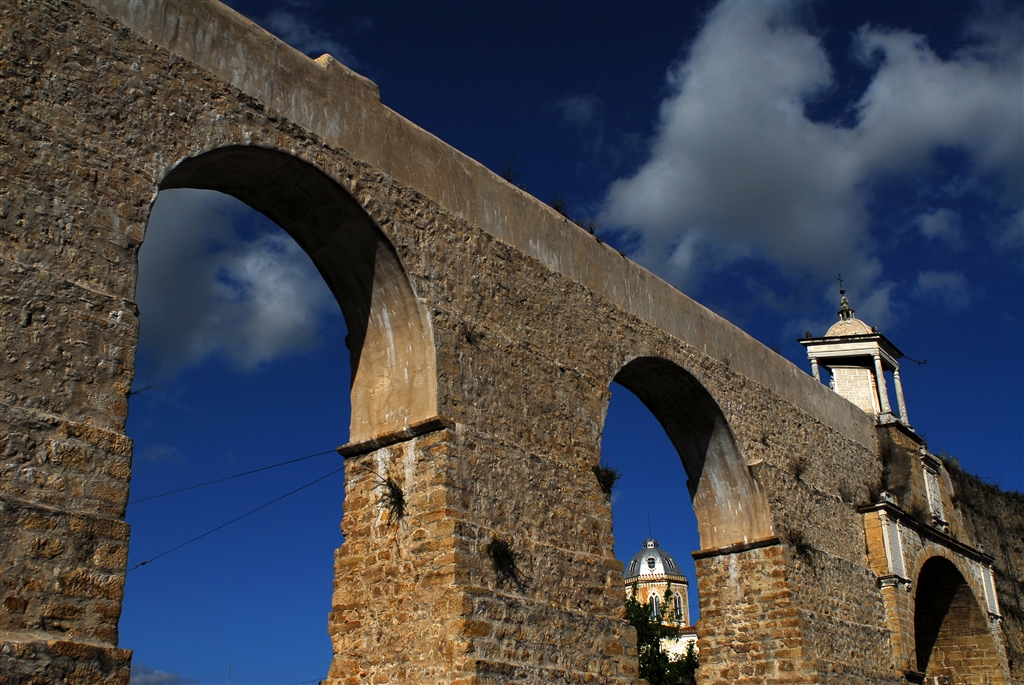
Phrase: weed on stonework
[504,561]
[606,476]
[392,500]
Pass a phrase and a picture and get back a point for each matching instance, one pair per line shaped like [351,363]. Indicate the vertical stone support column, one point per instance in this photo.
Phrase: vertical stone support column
[72,223]
[883,390]
[750,628]
[899,397]
[64,473]
[397,614]
[419,599]
[814,369]
[899,615]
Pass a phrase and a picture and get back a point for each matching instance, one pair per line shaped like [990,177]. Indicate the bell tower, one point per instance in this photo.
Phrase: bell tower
[857,357]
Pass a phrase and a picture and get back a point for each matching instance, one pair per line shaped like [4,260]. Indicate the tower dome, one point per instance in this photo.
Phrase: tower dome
[651,573]
[653,563]
[848,324]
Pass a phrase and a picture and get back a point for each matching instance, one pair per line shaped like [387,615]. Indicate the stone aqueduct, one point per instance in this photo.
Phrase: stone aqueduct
[485,330]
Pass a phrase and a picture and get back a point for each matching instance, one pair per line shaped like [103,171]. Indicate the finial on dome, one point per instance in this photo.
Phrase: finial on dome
[844,312]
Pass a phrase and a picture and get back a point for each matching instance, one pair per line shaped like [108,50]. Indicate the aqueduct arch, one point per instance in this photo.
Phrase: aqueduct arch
[390,342]
[727,499]
[510,322]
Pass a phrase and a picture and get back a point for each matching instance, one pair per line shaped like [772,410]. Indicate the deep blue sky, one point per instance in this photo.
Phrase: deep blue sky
[746,152]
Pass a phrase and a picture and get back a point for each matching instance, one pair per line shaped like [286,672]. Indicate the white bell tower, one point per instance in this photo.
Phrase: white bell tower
[857,356]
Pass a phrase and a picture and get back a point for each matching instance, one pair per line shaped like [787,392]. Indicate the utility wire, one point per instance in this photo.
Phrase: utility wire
[238,518]
[237,475]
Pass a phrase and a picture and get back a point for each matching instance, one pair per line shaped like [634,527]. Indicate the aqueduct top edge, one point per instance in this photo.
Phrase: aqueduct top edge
[344,109]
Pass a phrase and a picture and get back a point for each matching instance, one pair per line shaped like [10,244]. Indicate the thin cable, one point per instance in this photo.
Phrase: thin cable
[237,475]
[239,518]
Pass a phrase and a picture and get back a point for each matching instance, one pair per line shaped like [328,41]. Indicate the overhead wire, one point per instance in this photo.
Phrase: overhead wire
[237,518]
[237,475]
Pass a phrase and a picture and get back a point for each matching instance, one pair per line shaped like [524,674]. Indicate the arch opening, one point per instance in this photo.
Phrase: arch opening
[728,502]
[952,637]
[654,529]
[695,447]
[393,382]
[239,365]
[392,386]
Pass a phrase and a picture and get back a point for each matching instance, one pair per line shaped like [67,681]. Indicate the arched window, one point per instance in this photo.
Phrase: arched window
[678,599]
[650,563]
[655,607]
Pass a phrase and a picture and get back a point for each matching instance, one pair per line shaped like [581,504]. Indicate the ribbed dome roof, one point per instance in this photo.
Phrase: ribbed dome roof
[652,561]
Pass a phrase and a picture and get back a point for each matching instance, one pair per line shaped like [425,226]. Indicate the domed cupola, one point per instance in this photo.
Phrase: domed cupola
[652,562]
[652,571]
[857,356]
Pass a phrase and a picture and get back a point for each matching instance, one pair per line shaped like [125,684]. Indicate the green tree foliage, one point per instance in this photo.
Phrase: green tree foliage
[655,665]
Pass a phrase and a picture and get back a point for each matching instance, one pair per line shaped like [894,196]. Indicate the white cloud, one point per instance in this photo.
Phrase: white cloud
[738,170]
[205,290]
[147,676]
[877,307]
[305,38]
[941,224]
[949,288]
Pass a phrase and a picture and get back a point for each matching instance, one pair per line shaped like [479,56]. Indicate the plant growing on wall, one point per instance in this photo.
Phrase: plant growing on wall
[655,665]
[504,561]
[392,499]
[606,476]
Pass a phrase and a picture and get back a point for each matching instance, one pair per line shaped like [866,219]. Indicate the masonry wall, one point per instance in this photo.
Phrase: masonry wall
[995,520]
[95,117]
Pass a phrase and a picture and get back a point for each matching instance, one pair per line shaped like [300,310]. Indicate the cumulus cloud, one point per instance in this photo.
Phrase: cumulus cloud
[204,289]
[147,676]
[298,33]
[941,224]
[738,169]
[948,288]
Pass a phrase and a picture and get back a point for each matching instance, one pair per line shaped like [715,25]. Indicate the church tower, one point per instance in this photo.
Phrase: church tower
[653,571]
[857,356]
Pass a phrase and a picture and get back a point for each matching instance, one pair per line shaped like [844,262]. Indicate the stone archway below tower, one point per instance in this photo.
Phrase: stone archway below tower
[952,637]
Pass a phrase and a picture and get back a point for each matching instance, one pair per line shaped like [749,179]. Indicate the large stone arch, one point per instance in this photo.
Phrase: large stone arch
[953,641]
[728,501]
[389,334]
